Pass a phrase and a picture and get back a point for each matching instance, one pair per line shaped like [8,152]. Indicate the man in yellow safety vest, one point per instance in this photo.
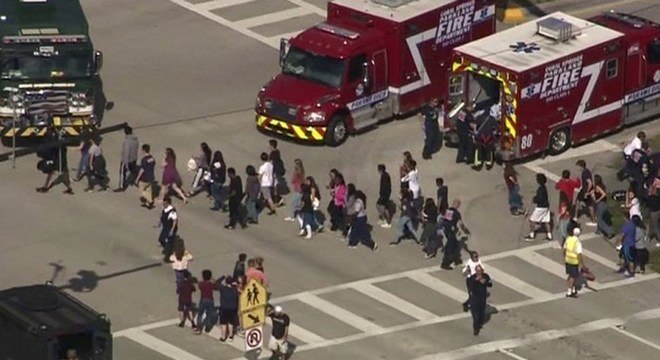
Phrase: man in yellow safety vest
[573,258]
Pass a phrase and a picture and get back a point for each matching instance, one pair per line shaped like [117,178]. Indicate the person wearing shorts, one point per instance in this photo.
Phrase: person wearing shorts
[228,307]
[540,217]
[278,342]
[573,260]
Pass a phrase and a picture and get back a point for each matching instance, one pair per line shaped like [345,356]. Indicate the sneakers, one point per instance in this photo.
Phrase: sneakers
[618,247]
[385,225]
[289,218]
[89,190]
[352,247]
[591,223]
[628,275]
[429,256]
[68,191]
[394,243]
[548,236]
[42,189]
[375,248]
[530,238]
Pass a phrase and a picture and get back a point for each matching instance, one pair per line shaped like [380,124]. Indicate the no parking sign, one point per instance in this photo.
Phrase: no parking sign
[254,338]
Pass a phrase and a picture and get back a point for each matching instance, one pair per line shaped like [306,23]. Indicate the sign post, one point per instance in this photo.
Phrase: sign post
[253,303]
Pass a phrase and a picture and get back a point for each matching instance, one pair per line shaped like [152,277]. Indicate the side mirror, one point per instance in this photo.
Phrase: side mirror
[284,49]
[98,61]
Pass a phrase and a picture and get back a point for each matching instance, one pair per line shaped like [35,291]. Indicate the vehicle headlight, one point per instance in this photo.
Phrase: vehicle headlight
[315,117]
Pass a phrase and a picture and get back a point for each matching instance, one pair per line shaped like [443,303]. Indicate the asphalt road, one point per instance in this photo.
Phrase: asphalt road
[185,72]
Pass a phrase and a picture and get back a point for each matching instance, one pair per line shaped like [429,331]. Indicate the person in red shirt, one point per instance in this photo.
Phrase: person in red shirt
[255,271]
[206,307]
[568,186]
[185,289]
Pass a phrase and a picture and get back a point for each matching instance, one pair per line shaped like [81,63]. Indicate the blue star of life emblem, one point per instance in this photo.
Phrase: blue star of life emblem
[521,46]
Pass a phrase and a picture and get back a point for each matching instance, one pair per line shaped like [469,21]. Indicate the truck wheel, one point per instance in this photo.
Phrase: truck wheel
[560,141]
[336,133]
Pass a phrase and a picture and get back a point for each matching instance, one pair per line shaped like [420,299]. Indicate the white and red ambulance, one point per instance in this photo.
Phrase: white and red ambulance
[560,80]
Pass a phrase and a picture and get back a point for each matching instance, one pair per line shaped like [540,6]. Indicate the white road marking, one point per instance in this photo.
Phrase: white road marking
[303,334]
[511,354]
[539,337]
[542,262]
[440,286]
[159,346]
[271,18]
[311,7]
[148,327]
[287,36]
[638,338]
[335,311]
[237,343]
[516,284]
[590,255]
[219,4]
[396,302]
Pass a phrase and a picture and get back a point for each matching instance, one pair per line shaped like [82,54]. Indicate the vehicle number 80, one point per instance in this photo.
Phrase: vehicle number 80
[526,141]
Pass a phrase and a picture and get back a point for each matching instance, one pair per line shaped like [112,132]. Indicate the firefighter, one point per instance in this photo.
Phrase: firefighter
[484,144]
[432,135]
[463,120]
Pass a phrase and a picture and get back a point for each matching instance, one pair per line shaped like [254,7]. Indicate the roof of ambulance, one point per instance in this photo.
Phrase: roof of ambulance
[496,48]
[399,13]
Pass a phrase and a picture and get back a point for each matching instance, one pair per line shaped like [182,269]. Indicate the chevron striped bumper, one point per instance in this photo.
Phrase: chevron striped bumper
[309,133]
[72,127]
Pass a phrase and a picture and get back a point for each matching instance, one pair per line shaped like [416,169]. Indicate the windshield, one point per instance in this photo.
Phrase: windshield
[326,70]
[24,66]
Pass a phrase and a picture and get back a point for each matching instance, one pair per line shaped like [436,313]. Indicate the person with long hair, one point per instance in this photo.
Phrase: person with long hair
[337,203]
[218,178]
[307,212]
[600,204]
[429,236]
[315,195]
[359,230]
[252,188]
[297,179]
[348,216]
[201,171]
[171,178]
[180,259]
[515,200]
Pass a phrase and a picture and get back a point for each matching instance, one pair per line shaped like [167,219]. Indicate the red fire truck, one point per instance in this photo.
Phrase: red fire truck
[370,60]
[560,80]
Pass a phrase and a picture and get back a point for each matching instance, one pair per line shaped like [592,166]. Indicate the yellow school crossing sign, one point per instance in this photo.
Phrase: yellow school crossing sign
[253,304]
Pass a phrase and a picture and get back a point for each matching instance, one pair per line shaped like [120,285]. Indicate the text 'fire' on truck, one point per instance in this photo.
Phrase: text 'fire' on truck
[560,80]
[48,71]
[42,322]
[369,61]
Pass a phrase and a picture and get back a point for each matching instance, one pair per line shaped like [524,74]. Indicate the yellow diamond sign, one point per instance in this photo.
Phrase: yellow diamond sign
[253,304]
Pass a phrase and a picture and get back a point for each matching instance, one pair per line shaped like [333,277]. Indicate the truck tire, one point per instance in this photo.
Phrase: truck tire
[336,133]
[560,141]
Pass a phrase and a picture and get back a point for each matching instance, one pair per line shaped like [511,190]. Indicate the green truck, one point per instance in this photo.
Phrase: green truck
[42,322]
[49,71]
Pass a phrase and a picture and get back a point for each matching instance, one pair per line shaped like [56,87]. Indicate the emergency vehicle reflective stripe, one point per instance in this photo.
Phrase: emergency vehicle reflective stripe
[291,130]
[34,131]
[510,118]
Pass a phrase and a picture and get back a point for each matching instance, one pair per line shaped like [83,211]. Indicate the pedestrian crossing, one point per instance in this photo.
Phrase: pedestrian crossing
[443,283]
[247,16]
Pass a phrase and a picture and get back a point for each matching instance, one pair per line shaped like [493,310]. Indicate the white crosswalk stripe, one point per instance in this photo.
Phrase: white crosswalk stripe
[160,346]
[396,302]
[335,311]
[209,9]
[516,284]
[440,286]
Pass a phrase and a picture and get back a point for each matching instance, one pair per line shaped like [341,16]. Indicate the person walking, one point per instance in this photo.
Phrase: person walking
[337,203]
[412,178]
[563,219]
[306,211]
[279,343]
[516,207]
[169,227]
[297,179]
[279,182]
[184,290]
[585,195]
[653,204]
[180,259]
[641,249]
[431,127]
[348,215]
[206,314]
[430,237]
[359,230]
[315,195]
[568,186]
[442,195]
[146,178]
[55,161]
[252,189]
[83,164]
[479,284]
[463,130]
[540,217]
[603,222]
[128,166]
[218,178]
[228,307]
[452,223]
[404,169]
[469,270]
[239,266]
[201,165]
[407,218]
[98,174]
[171,177]
[266,181]
[384,194]
[235,198]
[574,261]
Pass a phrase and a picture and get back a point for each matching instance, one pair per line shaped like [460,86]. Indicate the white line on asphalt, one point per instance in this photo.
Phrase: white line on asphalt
[440,286]
[636,337]
[148,327]
[539,337]
[396,302]
[539,170]
[219,4]
[271,18]
[303,334]
[600,8]
[159,346]
[339,313]
[511,354]
[287,36]
[516,284]
[308,6]
[590,255]
[540,261]
[237,343]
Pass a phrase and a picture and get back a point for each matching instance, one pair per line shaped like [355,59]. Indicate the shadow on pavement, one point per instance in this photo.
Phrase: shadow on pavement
[88,280]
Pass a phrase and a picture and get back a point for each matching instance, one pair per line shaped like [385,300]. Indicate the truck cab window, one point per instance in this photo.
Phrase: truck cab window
[611,68]
[356,68]
[456,85]
[654,52]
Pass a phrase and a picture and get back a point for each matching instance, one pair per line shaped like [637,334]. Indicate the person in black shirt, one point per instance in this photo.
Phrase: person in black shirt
[540,217]
[169,226]
[218,177]
[235,197]
[145,178]
[383,202]
[463,120]
[442,195]
[278,343]
[407,221]
[432,134]
[430,237]
[452,222]
[478,286]
[228,306]
[239,267]
[279,183]
[55,161]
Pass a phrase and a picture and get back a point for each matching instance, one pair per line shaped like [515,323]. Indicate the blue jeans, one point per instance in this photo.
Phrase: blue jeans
[207,309]
[515,200]
[218,195]
[308,218]
[601,225]
[360,233]
[83,165]
[405,223]
[251,206]
[295,203]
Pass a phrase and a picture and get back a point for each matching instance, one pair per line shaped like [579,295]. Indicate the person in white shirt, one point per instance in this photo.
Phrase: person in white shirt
[412,177]
[635,144]
[468,271]
[266,181]
[180,259]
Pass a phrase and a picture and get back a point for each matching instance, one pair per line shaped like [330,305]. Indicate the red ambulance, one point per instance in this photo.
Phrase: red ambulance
[370,60]
[560,80]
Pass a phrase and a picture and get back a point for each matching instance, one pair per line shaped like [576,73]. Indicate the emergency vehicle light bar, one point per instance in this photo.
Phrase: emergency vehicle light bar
[338,31]
[556,29]
[59,39]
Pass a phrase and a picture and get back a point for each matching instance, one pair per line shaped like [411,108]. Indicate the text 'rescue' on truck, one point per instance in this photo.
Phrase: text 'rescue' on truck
[370,60]
[561,80]
[48,70]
